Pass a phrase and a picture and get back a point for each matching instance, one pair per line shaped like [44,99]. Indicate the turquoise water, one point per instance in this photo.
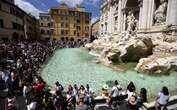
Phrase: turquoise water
[76,66]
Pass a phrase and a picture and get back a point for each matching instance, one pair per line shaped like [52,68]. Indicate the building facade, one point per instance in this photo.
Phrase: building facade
[46,26]
[70,23]
[31,27]
[152,16]
[95,27]
[13,21]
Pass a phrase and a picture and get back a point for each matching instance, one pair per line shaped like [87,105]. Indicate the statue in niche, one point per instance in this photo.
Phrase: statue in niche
[131,24]
[160,13]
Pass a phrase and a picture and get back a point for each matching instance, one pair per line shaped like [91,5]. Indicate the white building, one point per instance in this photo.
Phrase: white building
[46,26]
[153,16]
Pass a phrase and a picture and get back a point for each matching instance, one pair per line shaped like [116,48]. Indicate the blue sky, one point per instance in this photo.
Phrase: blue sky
[36,6]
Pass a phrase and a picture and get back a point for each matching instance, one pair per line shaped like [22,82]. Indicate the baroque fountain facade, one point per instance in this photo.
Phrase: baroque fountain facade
[143,31]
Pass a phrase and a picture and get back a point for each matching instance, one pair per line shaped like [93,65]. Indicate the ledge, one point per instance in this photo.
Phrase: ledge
[151,105]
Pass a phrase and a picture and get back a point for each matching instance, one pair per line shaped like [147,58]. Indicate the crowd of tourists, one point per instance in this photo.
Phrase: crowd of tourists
[20,64]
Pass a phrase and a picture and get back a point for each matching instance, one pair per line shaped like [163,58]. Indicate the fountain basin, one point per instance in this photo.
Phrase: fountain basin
[77,66]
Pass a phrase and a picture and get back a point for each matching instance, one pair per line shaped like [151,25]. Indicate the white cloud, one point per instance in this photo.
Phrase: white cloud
[28,7]
[73,3]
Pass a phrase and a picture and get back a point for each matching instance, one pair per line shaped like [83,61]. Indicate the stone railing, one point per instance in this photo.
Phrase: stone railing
[172,104]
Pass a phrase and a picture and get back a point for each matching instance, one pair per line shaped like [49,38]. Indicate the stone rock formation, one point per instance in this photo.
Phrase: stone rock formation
[163,60]
[155,53]
[122,49]
[157,65]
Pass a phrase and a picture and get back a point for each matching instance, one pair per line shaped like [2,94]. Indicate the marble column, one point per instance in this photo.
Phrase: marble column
[124,22]
[147,14]
[140,23]
[120,16]
[172,13]
[150,13]
[144,14]
[111,19]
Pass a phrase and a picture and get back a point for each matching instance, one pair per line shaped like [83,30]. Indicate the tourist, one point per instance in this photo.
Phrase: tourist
[39,86]
[60,101]
[26,90]
[132,103]
[131,90]
[10,103]
[81,105]
[142,97]
[76,92]
[70,98]
[2,83]
[47,102]
[82,91]
[105,92]
[115,92]
[115,89]
[162,99]
[89,96]
[59,87]
[33,104]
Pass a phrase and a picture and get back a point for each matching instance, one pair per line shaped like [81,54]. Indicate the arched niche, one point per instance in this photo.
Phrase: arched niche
[160,12]
[133,6]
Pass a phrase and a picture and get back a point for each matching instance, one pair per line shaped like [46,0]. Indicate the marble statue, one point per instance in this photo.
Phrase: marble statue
[160,13]
[131,23]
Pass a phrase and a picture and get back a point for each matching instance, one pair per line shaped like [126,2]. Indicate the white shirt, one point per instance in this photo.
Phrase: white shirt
[163,99]
[115,90]
[130,94]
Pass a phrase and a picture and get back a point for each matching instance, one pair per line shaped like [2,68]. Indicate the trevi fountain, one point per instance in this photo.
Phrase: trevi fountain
[142,53]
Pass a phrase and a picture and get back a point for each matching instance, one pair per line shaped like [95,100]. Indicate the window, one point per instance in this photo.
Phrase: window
[42,31]
[117,8]
[51,24]
[42,24]
[86,34]
[17,26]
[115,24]
[78,34]
[87,28]
[66,32]
[1,23]
[116,18]
[67,25]
[62,18]
[78,27]
[62,25]
[87,21]
[62,32]
[74,32]
[12,10]
[106,24]
[48,18]
[48,32]
[78,21]
[48,24]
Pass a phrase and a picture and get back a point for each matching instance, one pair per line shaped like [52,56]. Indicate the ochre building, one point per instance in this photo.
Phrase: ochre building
[70,23]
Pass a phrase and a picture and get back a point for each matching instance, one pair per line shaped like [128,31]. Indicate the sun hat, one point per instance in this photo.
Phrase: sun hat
[105,86]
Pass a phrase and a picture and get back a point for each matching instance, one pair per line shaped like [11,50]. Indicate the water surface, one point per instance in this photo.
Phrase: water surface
[76,66]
